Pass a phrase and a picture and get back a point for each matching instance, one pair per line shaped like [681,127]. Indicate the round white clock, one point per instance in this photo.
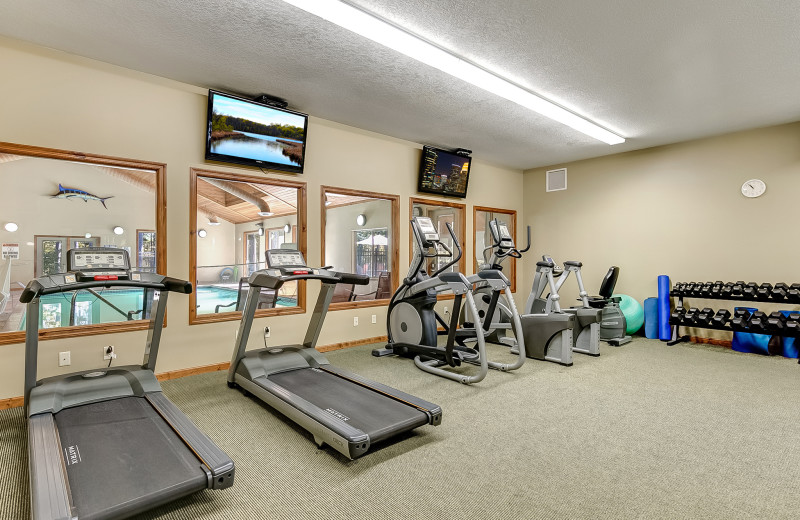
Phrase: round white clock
[754,188]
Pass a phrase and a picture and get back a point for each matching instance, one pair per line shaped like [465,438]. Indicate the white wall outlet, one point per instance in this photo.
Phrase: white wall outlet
[64,359]
[446,309]
[108,352]
[266,332]
[355,321]
[374,318]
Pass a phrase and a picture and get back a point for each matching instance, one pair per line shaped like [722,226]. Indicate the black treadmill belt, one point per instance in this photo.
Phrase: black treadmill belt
[121,452]
[373,413]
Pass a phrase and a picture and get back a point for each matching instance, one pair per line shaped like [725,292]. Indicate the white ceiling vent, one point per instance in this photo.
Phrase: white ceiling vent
[557,179]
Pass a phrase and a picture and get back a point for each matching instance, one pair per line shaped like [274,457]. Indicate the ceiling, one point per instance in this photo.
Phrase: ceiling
[214,201]
[654,72]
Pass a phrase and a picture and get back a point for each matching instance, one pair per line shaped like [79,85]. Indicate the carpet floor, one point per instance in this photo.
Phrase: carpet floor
[643,431]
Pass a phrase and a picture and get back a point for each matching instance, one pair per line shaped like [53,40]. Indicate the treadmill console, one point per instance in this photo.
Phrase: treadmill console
[287,261]
[99,263]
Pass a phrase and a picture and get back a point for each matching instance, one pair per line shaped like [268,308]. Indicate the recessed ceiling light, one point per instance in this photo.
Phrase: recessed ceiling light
[265,213]
[118,230]
[402,41]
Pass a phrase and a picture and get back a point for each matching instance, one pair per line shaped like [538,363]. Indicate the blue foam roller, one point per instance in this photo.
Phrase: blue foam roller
[664,331]
[651,318]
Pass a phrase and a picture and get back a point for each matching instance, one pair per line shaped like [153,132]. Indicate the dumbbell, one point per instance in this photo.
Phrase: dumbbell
[792,324]
[704,317]
[794,292]
[749,290]
[721,318]
[677,316]
[758,322]
[780,291]
[726,290]
[677,289]
[740,319]
[764,290]
[736,290]
[705,290]
[689,316]
[716,290]
[776,323]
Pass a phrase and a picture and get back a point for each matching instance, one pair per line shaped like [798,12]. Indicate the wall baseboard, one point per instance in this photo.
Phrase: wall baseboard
[16,402]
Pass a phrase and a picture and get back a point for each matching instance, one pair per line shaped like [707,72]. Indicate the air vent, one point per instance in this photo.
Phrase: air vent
[557,179]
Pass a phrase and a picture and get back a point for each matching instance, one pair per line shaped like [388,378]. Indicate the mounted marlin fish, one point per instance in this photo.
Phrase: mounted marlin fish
[71,193]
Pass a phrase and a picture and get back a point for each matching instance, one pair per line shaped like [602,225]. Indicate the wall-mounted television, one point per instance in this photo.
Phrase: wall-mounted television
[246,132]
[443,172]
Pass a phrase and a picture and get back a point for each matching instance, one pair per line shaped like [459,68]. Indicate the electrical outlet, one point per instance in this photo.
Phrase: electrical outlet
[266,332]
[374,318]
[108,352]
[355,321]
[64,359]
[446,309]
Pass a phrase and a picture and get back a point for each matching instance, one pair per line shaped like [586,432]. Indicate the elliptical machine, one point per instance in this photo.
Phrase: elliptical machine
[412,320]
[586,337]
[547,333]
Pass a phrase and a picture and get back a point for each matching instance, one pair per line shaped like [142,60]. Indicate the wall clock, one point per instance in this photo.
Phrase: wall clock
[754,188]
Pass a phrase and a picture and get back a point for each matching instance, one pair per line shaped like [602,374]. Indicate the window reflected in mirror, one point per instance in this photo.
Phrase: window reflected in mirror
[54,201]
[360,237]
[237,219]
[442,213]
[483,239]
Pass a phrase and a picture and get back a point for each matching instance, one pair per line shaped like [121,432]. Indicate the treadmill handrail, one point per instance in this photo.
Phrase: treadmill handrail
[35,288]
[263,278]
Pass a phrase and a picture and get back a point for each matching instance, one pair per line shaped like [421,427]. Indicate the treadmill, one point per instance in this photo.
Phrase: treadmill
[341,409]
[107,443]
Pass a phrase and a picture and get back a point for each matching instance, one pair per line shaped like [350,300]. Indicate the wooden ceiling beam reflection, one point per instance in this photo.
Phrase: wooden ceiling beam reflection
[213,200]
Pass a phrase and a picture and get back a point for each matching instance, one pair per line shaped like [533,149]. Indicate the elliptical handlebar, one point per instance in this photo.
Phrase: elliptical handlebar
[513,252]
[456,258]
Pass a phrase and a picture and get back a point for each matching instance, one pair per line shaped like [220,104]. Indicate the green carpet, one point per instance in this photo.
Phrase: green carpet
[643,431]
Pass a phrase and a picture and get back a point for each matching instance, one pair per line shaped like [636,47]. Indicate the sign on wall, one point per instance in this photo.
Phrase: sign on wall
[11,251]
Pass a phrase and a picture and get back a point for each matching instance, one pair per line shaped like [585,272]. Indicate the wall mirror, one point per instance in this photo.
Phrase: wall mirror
[360,236]
[442,213]
[54,201]
[483,239]
[235,219]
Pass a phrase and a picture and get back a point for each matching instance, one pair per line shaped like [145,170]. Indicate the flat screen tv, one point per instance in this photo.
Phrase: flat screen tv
[245,132]
[443,173]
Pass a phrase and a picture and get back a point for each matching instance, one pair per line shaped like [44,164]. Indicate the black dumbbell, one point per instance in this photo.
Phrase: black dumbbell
[726,290]
[764,290]
[794,292]
[706,290]
[776,322]
[749,290]
[716,290]
[792,324]
[677,289]
[737,288]
[677,316]
[758,322]
[740,320]
[780,291]
[689,316]
[721,318]
[704,317]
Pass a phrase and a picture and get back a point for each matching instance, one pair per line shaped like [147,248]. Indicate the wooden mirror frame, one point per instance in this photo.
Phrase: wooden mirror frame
[160,172]
[461,234]
[395,239]
[512,271]
[300,308]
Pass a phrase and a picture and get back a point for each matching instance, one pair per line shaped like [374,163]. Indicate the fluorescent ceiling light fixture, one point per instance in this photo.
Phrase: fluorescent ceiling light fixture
[384,33]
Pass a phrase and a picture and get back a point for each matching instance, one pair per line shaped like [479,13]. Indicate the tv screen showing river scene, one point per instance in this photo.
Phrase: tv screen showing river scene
[443,172]
[246,132]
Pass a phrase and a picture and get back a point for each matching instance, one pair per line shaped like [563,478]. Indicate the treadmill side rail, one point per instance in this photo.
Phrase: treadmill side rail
[50,496]
[218,463]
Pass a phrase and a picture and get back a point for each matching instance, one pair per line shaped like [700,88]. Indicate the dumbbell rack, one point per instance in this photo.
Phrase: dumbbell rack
[738,292]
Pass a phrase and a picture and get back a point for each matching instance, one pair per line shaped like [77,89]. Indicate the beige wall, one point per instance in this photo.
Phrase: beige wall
[675,210]
[57,100]
[340,222]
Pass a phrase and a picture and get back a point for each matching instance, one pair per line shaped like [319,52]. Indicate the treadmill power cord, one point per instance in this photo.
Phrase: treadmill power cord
[111,355]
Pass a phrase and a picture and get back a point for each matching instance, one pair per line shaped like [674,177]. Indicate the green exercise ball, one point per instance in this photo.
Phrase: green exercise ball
[633,311]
